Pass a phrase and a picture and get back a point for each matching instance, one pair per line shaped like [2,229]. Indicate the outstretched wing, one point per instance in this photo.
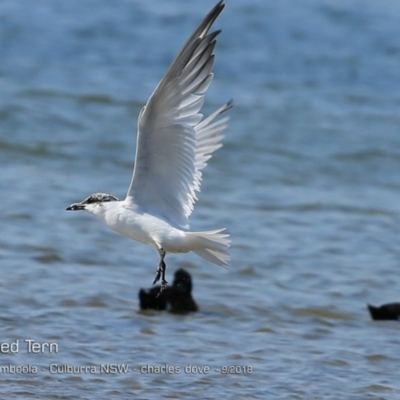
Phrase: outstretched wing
[173,142]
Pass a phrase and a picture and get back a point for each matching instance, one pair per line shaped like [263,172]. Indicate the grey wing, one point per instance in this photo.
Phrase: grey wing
[174,142]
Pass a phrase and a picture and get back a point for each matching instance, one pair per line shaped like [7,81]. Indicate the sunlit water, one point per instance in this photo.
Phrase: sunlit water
[307,184]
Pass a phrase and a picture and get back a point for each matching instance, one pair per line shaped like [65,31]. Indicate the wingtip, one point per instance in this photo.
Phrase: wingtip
[217,9]
[227,106]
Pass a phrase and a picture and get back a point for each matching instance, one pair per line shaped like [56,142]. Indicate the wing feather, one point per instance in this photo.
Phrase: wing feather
[174,142]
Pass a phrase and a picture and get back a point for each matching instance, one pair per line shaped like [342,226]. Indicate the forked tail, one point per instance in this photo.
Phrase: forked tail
[211,245]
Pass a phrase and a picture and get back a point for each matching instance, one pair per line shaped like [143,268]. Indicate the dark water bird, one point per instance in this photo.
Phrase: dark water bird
[390,311]
[176,299]
[153,298]
[174,144]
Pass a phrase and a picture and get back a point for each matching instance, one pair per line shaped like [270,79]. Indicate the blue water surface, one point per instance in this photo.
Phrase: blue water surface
[307,184]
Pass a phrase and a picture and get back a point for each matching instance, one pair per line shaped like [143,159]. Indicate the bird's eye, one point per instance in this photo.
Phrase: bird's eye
[91,200]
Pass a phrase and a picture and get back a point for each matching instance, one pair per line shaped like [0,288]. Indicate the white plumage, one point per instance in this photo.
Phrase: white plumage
[174,143]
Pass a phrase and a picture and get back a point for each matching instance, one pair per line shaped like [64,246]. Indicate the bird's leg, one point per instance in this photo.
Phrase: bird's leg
[160,273]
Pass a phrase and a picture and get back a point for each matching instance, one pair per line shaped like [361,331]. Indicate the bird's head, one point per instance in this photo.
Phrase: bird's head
[93,203]
[182,281]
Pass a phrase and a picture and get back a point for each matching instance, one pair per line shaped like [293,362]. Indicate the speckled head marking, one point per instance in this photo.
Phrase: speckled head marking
[92,199]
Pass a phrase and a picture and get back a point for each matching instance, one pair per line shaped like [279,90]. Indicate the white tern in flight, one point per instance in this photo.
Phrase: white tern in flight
[174,143]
